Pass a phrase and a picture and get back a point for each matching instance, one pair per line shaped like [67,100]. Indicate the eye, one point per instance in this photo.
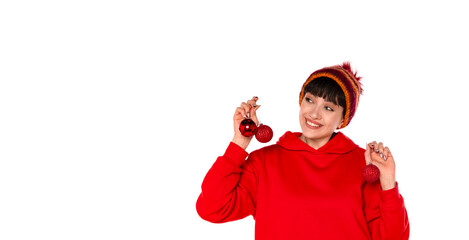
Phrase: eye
[329,109]
[308,99]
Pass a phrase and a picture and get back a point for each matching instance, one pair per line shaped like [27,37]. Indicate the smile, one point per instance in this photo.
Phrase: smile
[313,125]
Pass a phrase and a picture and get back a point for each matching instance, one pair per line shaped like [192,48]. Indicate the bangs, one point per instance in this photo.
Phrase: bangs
[328,89]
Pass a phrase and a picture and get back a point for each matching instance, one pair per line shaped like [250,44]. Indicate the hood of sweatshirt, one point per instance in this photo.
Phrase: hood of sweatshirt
[339,144]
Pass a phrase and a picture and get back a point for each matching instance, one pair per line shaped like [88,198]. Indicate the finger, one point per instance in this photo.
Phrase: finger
[246,108]
[367,154]
[253,114]
[251,105]
[373,149]
[240,113]
[373,145]
[389,156]
[253,101]
[380,149]
[375,157]
[385,153]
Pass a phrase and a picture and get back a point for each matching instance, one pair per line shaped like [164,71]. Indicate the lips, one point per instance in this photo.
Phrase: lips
[313,124]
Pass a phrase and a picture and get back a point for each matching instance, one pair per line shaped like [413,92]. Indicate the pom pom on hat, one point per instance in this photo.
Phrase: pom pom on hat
[348,81]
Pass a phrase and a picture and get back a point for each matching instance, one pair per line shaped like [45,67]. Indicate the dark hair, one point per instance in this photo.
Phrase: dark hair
[328,89]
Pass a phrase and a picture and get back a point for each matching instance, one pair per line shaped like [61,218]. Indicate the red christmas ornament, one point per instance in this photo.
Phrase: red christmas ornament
[264,133]
[370,173]
[248,127]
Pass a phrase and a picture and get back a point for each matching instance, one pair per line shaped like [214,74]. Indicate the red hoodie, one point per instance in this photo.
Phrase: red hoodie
[296,192]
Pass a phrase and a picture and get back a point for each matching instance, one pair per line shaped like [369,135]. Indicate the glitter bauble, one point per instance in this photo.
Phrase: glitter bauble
[370,173]
[264,133]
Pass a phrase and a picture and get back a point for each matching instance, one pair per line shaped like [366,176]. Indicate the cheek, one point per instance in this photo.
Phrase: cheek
[331,119]
[300,115]
[337,119]
[302,110]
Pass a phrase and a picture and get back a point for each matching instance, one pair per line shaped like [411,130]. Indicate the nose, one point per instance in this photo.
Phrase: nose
[315,112]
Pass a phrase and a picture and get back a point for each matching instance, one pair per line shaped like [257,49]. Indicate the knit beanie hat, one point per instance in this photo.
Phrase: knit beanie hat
[347,80]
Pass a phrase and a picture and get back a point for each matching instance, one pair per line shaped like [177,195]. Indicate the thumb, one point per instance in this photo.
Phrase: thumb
[367,154]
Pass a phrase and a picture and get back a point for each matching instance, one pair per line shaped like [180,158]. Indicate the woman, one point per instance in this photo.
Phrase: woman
[308,185]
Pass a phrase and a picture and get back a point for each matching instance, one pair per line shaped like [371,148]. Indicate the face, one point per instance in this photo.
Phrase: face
[318,120]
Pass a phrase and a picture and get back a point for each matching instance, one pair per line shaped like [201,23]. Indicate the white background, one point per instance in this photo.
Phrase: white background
[112,112]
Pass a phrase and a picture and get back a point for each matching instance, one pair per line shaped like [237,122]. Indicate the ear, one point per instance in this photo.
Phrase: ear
[341,119]
[340,124]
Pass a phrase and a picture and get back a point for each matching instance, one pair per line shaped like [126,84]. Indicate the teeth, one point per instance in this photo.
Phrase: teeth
[312,124]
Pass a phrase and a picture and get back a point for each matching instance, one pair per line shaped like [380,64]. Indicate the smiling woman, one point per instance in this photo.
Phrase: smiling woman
[309,184]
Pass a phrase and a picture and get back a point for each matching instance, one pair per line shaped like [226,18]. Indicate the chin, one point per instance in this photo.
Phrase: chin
[313,134]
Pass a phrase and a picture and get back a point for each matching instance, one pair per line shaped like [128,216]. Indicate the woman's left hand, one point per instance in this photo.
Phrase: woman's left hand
[382,158]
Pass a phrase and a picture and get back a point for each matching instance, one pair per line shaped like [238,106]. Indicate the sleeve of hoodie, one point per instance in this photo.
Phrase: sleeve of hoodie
[385,212]
[229,188]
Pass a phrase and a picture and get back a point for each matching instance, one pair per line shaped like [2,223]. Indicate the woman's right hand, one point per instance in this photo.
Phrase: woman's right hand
[246,109]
